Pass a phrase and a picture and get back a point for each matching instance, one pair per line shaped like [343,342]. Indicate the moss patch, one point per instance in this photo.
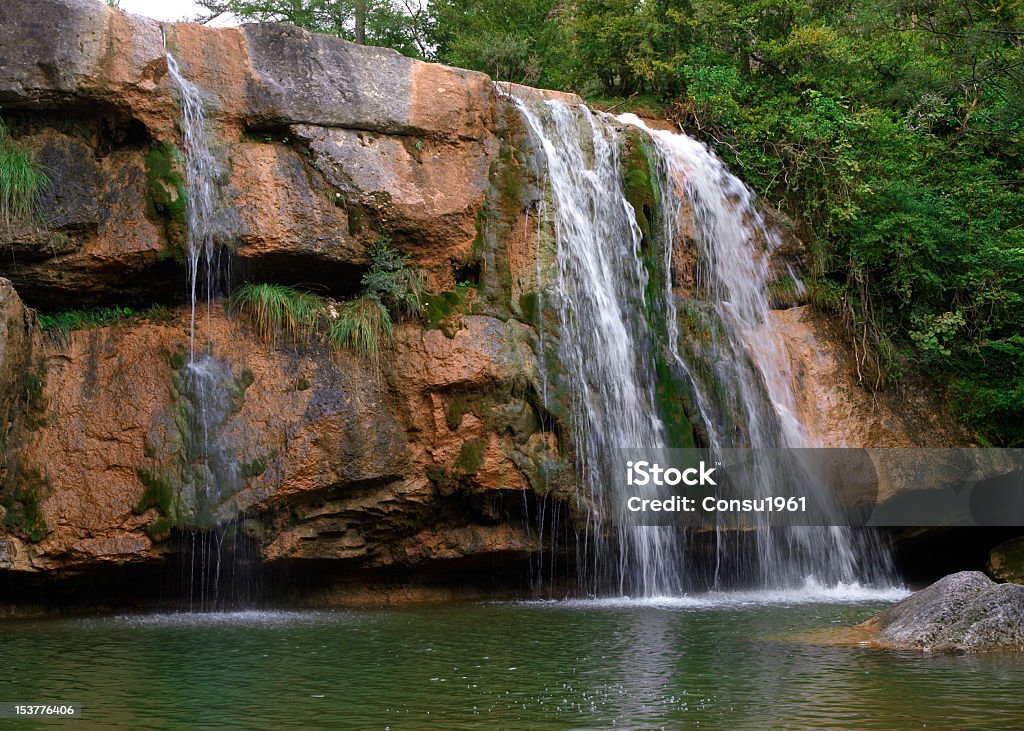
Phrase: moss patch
[166,196]
[640,186]
[672,401]
[471,456]
[441,309]
[529,304]
[158,492]
[255,468]
[177,358]
[455,409]
[23,505]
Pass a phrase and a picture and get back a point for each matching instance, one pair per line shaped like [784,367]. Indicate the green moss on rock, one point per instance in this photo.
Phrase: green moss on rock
[441,309]
[471,456]
[166,195]
[23,505]
[640,185]
[158,492]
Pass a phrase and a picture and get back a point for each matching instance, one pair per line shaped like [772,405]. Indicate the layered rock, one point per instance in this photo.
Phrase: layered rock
[444,455]
[326,146]
[339,460]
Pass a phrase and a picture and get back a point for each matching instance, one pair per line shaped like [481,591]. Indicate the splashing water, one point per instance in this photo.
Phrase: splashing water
[737,371]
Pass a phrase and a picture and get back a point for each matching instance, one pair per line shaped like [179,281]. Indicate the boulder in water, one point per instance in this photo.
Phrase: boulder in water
[962,612]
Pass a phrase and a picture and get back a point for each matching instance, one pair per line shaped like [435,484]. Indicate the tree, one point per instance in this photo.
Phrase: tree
[512,40]
[398,24]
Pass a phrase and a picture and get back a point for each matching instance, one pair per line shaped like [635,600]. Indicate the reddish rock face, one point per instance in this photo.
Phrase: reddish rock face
[339,460]
[436,460]
[319,164]
[352,461]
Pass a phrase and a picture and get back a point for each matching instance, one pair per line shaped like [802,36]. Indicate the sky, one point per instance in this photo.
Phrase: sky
[168,10]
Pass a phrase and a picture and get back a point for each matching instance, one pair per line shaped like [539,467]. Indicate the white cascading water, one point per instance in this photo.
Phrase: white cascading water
[201,175]
[737,377]
[207,384]
[599,291]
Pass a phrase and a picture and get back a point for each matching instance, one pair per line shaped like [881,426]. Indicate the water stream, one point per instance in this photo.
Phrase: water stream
[208,389]
[202,173]
[735,368]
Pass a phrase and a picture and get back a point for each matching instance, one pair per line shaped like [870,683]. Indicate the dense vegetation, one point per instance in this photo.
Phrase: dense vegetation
[889,130]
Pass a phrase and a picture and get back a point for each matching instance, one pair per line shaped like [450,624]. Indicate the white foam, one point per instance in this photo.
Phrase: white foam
[251,618]
[810,593]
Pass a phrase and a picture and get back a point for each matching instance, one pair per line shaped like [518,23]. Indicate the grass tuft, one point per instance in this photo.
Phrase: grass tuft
[62,323]
[363,325]
[21,180]
[277,309]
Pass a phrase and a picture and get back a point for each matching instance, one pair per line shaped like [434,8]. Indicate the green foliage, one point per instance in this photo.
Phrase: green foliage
[363,325]
[517,40]
[277,309]
[391,281]
[21,180]
[63,323]
[404,26]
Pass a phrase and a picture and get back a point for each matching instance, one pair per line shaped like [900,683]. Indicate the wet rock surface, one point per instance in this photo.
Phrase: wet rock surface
[1006,561]
[963,612]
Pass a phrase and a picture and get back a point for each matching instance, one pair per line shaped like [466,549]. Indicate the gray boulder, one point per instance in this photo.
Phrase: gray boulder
[963,612]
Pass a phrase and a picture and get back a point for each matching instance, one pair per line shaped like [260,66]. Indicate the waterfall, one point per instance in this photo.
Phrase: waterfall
[598,291]
[202,173]
[208,391]
[609,340]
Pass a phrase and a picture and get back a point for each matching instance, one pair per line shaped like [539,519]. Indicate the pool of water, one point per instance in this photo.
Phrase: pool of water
[719,661]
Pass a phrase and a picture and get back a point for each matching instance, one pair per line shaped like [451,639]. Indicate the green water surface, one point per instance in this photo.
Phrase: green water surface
[597,665]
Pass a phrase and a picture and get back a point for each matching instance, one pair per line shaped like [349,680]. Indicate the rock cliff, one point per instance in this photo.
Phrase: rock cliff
[442,459]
